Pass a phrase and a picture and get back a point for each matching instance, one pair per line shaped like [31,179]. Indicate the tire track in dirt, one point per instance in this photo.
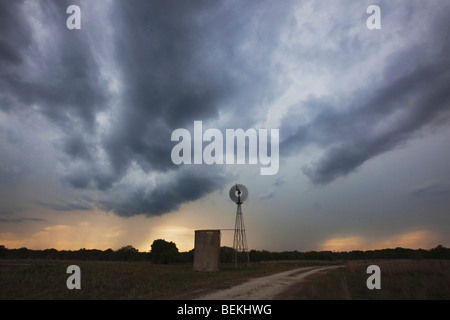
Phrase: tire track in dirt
[265,288]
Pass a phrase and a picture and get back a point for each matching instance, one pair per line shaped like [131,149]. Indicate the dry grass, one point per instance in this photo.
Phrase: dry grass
[400,279]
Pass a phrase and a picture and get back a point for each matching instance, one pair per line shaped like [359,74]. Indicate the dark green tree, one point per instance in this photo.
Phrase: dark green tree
[163,252]
[128,253]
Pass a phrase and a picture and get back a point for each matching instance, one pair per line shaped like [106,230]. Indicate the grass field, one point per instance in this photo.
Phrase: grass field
[400,279]
[123,280]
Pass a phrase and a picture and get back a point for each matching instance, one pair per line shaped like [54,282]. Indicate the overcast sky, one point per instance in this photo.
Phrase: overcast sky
[86,118]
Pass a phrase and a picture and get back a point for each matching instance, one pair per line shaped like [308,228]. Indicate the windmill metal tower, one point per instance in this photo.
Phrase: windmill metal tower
[239,193]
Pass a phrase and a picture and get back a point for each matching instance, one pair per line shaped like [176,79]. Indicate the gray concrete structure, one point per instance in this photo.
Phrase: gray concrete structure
[207,250]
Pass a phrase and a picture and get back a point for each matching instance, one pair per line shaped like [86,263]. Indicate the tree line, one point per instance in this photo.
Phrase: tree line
[164,252]
[161,251]
[439,252]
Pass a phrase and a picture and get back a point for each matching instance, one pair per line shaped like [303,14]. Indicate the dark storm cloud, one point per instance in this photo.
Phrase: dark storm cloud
[176,62]
[182,62]
[381,118]
[76,147]
[60,77]
[15,32]
[189,184]
[15,36]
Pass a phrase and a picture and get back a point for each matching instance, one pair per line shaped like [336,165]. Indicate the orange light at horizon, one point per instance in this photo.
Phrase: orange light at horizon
[412,240]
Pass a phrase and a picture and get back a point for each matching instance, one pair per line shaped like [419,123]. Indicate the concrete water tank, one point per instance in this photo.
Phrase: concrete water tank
[207,250]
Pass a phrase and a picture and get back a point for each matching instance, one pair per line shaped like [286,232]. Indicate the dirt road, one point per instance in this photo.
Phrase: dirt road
[264,288]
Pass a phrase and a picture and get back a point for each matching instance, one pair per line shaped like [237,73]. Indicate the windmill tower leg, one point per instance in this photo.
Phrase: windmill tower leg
[240,239]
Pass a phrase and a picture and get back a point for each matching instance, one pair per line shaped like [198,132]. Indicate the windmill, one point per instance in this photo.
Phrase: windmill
[238,194]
